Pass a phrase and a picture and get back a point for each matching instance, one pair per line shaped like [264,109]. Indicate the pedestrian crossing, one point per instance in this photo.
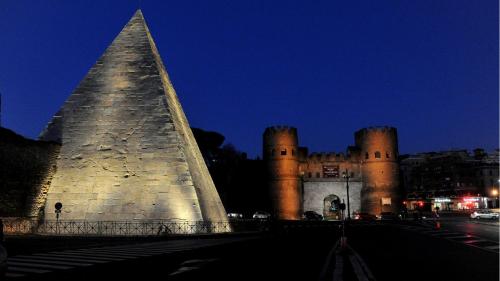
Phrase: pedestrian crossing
[429,228]
[20,266]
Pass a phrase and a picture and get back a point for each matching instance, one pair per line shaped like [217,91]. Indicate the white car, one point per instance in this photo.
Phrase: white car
[234,215]
[484,214]
[261,215]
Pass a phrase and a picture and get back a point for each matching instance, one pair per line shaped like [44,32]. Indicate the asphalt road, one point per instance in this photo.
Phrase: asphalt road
[291,255]
[420,252]
[486,229]
[459,250]
[299,255]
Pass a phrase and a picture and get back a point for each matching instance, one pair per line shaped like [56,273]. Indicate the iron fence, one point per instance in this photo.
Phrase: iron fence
[128,228]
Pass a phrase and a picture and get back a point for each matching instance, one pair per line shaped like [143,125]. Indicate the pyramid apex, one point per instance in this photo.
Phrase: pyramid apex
[137,14]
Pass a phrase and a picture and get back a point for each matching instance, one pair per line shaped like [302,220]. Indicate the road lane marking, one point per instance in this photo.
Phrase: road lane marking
[23,265]
[460,237]
[357,269]
[71,258]
[13,275]
[49,261]
[338,270]
[104,257]
[117,254]
[38,265]
[473,241]
[446,234]
[27,270]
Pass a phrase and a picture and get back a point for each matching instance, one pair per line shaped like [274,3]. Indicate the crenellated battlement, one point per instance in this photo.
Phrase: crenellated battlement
[377,129]
[280,129]
[327,156]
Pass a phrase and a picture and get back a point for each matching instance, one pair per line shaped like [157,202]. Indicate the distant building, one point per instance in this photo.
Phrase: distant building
[299,181]
[451,180]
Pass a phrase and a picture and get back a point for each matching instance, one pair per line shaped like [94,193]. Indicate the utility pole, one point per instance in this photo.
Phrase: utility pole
[346,176]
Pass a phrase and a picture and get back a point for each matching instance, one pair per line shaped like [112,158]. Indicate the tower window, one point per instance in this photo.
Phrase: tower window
[387,155]
[367,155]
[293,152]
[377,154]
[310,175]
[283,152]
[318,174]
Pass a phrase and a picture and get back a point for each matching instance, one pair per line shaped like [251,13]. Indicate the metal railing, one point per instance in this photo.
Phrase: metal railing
[128,228]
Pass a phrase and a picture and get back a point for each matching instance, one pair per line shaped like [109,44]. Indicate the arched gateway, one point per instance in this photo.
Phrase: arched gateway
[331,207]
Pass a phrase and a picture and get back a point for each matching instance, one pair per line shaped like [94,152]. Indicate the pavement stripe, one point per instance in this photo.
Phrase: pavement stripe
[75,258]
[145,252]
[446,234]
[27,270]
[99,257]
[112,251]
[473,241]
[49,261]
[357,269]
[460,237]
[13,275]
[124,255]
[38,265]
[104,255]
[338,271]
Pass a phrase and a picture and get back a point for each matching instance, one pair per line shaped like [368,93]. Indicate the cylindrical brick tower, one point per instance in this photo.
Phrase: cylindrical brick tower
[280,152]
[380,169]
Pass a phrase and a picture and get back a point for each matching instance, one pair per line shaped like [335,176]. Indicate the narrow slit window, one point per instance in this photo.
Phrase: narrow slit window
[377,154]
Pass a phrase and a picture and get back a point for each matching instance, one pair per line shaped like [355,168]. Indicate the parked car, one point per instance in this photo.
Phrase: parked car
[364,216]
[261,215]
[388,216]
[235,215]
[484,214]
[312,216]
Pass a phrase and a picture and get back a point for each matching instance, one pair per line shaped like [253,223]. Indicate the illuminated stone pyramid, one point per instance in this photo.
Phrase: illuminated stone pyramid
[127,151]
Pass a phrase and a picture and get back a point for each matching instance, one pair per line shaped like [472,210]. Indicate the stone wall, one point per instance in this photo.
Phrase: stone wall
[26,170]
[316,191]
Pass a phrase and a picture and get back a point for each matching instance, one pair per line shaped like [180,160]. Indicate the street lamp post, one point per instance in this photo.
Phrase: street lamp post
[346,176]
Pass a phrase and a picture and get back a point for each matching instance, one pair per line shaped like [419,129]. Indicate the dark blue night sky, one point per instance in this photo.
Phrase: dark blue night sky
[429,68]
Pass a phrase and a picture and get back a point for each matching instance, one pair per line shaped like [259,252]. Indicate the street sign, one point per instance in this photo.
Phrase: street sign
[330,171]
[58,206]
